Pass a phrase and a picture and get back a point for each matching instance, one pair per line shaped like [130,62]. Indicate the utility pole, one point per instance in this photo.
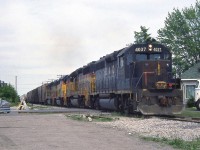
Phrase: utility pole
[16,83]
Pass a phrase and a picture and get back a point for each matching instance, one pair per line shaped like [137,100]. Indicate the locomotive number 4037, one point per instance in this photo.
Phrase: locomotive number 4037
[144,49]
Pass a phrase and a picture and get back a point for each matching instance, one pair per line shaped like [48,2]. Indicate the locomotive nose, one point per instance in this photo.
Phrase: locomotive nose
[154,102]
[163,101]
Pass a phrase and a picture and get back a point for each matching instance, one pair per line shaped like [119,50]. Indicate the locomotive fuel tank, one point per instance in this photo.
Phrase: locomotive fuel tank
[108,102]
[76,101]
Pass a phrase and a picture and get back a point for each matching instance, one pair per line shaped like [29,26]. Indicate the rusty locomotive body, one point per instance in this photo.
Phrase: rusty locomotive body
[135,78]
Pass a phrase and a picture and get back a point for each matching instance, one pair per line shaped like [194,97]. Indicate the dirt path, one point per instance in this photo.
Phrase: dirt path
[55,131]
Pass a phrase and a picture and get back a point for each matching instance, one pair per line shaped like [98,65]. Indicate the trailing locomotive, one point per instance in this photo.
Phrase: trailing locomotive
[135,78]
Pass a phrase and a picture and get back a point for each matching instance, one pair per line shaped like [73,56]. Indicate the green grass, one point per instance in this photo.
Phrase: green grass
[190,112]
[76,117]
[177,143]
[102,119]
[94,118]
[117,114]
[39,107]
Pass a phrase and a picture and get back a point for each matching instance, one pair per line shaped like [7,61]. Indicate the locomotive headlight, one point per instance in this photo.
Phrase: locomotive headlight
[150,47]
[161,85]
[167,65]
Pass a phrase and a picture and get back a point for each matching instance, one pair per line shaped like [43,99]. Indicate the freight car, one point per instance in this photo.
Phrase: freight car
[135,78]
[32,96]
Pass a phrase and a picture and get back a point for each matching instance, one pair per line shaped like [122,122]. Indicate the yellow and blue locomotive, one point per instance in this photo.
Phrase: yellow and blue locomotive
[135,78]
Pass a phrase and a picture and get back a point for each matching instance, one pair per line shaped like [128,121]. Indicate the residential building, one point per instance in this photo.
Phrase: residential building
[189,80]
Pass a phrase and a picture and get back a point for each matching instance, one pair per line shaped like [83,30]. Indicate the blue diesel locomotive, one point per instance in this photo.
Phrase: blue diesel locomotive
[137,78]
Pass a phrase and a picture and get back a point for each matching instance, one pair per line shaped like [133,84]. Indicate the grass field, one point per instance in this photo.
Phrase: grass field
[190,112]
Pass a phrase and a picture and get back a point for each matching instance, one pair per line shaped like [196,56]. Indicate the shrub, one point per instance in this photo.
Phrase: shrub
[190,102]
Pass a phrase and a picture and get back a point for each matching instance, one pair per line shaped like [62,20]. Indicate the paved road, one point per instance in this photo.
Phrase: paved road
[55,131]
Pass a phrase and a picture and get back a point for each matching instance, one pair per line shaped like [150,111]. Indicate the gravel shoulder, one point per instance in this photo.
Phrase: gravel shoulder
[55,131]
[156,127]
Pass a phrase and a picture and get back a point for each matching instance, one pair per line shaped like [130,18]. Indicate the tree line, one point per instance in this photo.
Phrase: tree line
[181,33]
[8,93]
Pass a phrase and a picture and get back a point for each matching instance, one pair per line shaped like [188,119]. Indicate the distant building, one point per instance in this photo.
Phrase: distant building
[189,79]
[2,83]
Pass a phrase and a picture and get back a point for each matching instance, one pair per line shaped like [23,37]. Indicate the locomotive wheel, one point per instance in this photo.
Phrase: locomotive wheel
[126,108]
[91,103]
[68,103]
[198,105]
[126,111]
[61,102]
[83,103]
[79,102]
[96,104]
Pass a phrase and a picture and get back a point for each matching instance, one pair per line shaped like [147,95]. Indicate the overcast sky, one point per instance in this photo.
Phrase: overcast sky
[40,39]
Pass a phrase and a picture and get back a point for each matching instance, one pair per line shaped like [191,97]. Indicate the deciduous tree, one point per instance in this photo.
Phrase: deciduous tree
[181,34]
[8,93]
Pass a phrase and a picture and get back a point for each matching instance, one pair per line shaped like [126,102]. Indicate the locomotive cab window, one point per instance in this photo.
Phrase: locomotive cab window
[154,56]
[141,57]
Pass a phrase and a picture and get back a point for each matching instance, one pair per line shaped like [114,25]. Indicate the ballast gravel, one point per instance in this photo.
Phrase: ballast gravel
[156,127]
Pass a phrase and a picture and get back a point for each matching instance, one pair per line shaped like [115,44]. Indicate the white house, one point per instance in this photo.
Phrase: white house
[189,80]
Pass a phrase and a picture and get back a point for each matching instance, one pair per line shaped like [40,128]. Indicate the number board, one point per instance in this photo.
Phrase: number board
[149,48]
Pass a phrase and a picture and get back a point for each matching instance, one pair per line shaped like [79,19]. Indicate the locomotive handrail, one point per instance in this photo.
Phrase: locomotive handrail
[141,78]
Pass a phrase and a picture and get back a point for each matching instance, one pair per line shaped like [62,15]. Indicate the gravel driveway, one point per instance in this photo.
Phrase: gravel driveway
[55,131]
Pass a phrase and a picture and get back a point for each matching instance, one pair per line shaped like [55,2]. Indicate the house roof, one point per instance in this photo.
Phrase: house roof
[192,73]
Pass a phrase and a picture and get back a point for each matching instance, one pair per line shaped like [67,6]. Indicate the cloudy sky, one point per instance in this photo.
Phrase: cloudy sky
[40,39]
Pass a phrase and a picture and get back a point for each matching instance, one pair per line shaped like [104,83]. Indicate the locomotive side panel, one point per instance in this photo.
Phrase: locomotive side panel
[123,81]
[100,65]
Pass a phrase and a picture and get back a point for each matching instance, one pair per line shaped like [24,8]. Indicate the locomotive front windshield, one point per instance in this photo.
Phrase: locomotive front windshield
[151,52]
[142,57]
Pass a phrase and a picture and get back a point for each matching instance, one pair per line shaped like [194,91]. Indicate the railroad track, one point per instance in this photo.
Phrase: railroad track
[184,119]
[175,118]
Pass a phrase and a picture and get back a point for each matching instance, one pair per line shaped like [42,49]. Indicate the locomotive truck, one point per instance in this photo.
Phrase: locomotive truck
[137,78]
